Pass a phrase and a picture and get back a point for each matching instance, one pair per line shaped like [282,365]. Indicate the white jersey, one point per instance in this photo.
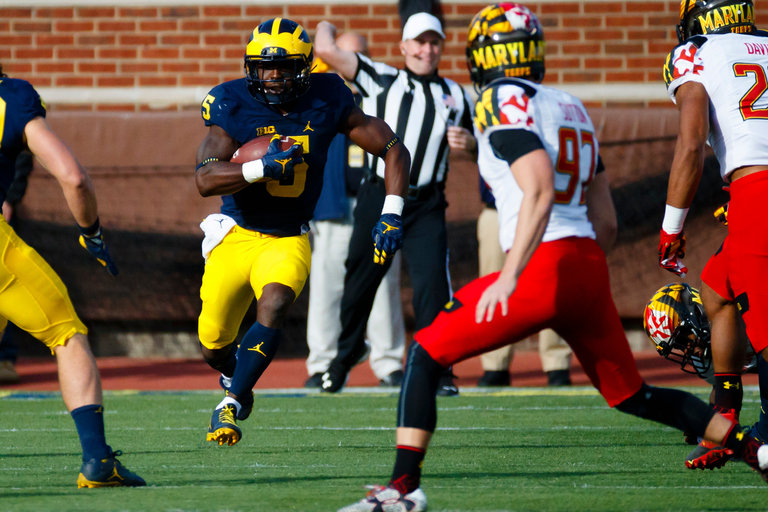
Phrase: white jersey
[733,69]
[563,127]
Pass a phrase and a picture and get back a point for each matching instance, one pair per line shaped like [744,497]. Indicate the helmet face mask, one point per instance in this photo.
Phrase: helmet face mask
[278,61]
[675,321]
[701,17]
[505,40]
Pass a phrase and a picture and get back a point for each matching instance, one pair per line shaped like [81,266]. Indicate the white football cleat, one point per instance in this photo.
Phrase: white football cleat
[387,499]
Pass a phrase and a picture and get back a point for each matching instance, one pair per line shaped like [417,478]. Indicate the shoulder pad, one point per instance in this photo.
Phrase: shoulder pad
[684,53]
[509,106]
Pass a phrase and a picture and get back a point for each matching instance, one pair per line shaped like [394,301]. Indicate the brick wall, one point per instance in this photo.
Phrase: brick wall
[121,46]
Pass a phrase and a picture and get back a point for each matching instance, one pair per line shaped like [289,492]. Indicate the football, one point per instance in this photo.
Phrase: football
[257,148]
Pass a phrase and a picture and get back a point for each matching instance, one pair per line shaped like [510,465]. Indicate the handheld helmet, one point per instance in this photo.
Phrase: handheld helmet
[505,40]
[676,323]
[715,17]
[278,59]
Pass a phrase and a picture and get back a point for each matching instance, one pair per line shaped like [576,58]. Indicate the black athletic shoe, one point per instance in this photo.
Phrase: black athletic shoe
[394,379]
[559,378]
[334,379]
[493,378]
[314,381]
[107,473]
[445,386]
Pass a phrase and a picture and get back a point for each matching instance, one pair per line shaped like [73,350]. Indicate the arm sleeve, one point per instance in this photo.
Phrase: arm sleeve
[509,145]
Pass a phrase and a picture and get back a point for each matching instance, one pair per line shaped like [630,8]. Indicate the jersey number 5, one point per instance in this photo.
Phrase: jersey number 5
[299,175]
[747,102]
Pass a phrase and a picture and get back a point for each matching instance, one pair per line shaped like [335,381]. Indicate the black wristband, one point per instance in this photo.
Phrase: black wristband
[91,230]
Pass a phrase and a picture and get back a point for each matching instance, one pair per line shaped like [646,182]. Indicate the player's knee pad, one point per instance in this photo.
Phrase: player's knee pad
[671,407]
[417,407]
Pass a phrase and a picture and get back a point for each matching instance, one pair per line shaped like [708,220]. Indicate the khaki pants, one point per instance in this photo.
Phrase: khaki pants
[554,352]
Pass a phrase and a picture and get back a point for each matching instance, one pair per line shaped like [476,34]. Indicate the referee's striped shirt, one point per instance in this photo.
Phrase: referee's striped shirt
[419,110]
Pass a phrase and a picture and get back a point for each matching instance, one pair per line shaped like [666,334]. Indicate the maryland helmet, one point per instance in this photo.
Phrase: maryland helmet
[278,59]
[505,40]
[676,323]
[715,17]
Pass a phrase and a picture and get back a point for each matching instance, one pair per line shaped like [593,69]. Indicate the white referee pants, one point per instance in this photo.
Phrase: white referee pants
[386,331]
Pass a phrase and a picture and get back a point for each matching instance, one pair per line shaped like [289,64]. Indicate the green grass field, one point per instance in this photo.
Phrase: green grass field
[525,449]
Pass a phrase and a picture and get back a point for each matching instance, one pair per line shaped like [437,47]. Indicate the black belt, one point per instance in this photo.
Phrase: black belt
[414,193]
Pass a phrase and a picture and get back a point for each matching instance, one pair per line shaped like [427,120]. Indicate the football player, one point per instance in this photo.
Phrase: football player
[675,321]
[258,245]
[717,78]
[33,296]
[539,154]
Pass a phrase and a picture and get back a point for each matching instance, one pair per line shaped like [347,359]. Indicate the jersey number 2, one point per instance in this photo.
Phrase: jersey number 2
[747,102]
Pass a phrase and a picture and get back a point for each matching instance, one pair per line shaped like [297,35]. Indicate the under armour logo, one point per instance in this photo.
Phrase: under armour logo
[308,128]
[729,385]
[389,228]
[257,348]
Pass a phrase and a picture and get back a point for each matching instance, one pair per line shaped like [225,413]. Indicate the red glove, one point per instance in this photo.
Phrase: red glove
[671,253]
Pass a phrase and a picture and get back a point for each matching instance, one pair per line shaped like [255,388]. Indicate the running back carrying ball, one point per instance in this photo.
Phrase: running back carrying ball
[269,157]
[256,148]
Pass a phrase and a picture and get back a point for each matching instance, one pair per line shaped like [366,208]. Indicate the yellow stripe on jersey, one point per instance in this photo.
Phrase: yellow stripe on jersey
[487,110]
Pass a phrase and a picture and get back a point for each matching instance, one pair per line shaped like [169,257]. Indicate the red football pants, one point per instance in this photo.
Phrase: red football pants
[565,287]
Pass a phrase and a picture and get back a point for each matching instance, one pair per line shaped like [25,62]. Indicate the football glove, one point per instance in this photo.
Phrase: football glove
[98,248]
[672,252]
[721,214]
[279,165]
[387,237]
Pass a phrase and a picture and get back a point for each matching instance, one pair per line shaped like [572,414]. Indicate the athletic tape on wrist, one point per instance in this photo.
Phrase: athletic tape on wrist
[674,218]
[253,170]
[393,204]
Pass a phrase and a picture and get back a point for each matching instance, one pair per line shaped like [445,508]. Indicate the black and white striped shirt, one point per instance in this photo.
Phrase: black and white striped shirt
[419,110]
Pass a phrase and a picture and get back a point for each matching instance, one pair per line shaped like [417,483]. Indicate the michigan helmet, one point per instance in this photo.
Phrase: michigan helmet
[505,40]
[676,323]
[278,59]
[715,17]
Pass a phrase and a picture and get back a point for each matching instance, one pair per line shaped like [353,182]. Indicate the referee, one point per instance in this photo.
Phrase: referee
[430,114]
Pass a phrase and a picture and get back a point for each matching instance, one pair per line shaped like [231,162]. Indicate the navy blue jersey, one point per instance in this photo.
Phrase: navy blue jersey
[19,104]
[314,120]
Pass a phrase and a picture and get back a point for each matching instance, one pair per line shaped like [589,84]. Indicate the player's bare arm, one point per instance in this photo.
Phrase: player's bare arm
[601,211]
[535,176]
[218,176]
[56,157]
[374,136]
[343,61]
[688,161]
